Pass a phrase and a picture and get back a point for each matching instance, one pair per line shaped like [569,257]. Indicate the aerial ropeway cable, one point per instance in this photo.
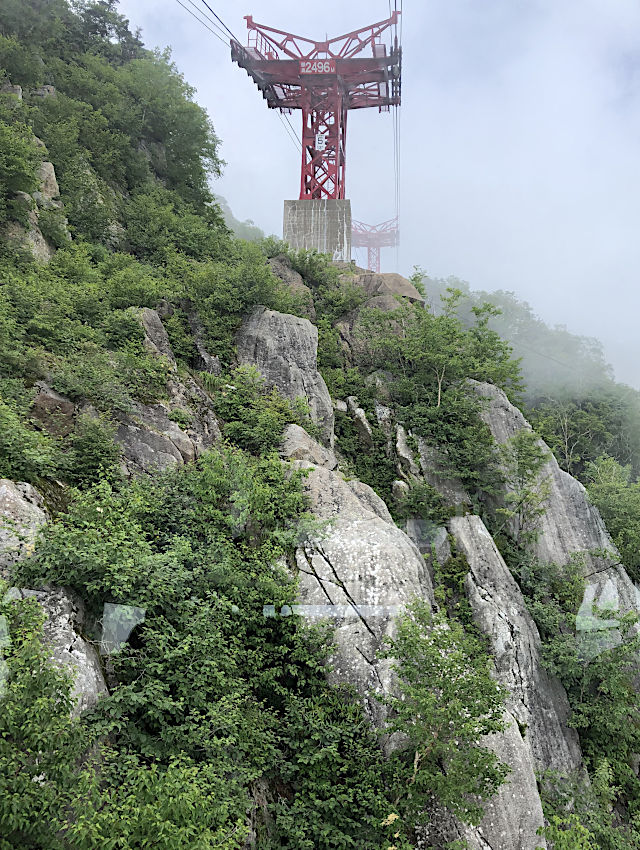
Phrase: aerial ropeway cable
[209,24]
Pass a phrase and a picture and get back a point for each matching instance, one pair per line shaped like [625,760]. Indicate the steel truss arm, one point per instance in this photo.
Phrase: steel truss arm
[299,47]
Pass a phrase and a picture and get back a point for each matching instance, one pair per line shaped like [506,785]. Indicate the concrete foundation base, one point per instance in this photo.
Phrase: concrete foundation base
[323,226]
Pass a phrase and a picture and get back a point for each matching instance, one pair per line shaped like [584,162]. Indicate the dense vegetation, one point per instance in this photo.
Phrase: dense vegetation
[220,720]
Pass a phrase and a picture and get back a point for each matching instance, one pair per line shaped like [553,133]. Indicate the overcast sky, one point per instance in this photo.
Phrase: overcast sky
[520,144]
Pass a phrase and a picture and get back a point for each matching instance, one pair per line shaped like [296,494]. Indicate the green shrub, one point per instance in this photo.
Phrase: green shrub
[254,416]
[91,453]
[446,702]
[25,454]
[19,159]
[53,226]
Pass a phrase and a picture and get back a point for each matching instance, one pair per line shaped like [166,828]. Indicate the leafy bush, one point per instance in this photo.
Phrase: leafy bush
[447,701]
[52,225]
[25,455]
[91,453]
[254,416]
[19,159]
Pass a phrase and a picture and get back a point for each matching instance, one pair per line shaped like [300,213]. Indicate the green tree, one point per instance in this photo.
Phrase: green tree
[446,702]
[522,459]
[19,159]
[617,497]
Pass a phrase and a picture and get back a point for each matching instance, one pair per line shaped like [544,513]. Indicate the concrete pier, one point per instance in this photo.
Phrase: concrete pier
[323,226]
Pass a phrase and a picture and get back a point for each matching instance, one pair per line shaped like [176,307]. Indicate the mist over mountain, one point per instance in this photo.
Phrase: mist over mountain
[292,555]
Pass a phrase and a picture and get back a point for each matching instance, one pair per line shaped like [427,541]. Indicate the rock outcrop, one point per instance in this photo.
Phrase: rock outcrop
[45,199]
[359,570]
[386,283]
[21,517]
[170,433]
[282,268]
[284,349]
[570,526]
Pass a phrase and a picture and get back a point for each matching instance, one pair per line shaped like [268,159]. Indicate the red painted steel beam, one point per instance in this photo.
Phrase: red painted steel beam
[324,80]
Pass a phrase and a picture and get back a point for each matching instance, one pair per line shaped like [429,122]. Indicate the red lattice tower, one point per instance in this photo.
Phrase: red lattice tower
[325,80]
[373,237]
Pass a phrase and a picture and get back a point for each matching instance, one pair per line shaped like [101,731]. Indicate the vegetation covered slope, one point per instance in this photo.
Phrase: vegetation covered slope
[220,721]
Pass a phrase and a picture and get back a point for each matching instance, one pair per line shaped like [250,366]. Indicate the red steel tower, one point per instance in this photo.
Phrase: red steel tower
[373,237]
[325,79]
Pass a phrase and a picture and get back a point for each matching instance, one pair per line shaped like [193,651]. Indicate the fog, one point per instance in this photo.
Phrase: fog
[520,144]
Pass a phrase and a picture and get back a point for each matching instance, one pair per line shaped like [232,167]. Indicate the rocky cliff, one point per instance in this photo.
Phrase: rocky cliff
[359,568]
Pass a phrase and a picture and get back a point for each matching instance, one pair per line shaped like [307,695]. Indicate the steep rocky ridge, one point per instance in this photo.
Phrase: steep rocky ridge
[570,526]
[358,566]
[361,559]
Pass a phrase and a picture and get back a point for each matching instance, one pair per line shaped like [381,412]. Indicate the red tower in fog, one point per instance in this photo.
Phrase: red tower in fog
[373,237]
[324,79]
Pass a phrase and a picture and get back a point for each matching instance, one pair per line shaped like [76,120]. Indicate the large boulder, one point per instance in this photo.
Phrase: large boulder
[387,284]
[284,349]
[358,570]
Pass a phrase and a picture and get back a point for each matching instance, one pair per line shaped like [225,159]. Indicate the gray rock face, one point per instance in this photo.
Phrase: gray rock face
[571,525]
[150,441]
[537,700]
[30,238]
[49,188]
[360,570]
[284,349]
[282,268]
[22,515]
[68,649]
[537,737]
[7,88]
[156,339]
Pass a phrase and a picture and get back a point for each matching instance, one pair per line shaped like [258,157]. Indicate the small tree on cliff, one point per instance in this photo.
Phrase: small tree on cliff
[446,702]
